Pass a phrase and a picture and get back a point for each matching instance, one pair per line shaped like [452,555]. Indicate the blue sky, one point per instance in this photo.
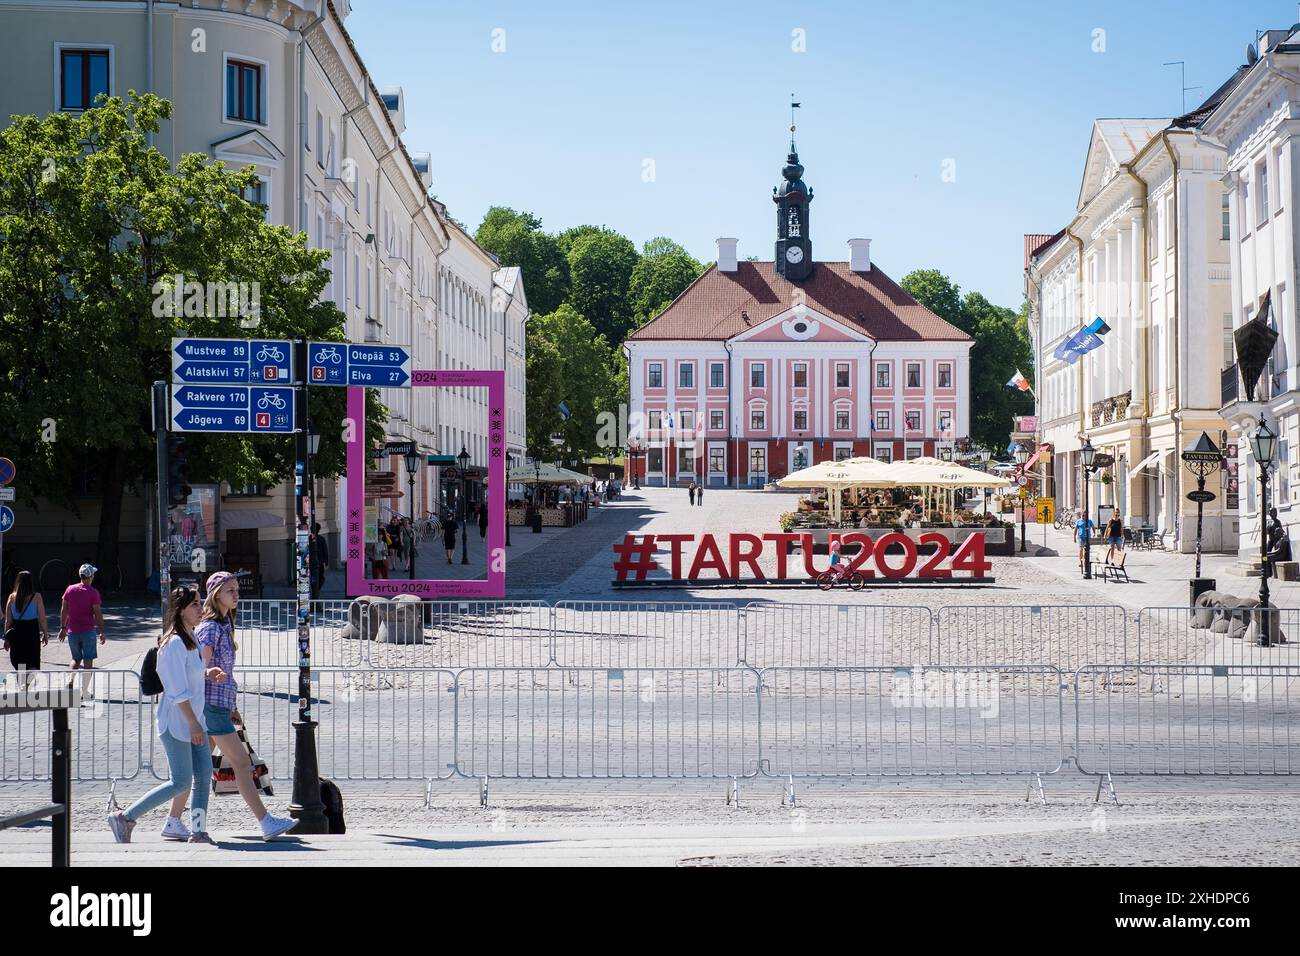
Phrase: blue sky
[562,122]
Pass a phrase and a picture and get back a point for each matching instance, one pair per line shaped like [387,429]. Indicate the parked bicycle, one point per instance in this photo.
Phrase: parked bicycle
[1066,519]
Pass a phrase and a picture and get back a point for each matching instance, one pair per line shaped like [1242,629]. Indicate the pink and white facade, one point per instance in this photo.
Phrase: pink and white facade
[749,376]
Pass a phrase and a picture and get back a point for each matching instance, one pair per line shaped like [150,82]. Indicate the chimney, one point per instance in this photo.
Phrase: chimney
[860,255]
[726,255]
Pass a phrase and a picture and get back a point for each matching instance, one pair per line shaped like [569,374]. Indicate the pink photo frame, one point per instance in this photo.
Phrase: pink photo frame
[494,586]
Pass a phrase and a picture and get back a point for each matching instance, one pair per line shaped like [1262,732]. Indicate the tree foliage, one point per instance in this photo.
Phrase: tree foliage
[600,272]
[517,239]
[575,365]
[1001,347]
[94,226]
[664,270]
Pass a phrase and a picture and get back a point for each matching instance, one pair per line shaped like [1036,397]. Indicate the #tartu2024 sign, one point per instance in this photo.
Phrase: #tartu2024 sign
[891,557]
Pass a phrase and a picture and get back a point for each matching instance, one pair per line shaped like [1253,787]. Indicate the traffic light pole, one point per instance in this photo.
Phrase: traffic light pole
[305,805]
[161,411]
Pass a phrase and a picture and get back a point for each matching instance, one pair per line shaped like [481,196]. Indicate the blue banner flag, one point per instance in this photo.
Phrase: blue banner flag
[564,410]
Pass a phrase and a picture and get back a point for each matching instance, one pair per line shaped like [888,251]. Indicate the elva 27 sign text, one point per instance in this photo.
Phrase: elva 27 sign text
[892,558]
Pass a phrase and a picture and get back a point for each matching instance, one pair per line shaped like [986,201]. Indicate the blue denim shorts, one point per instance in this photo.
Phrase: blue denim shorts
[84,647]
[218,720]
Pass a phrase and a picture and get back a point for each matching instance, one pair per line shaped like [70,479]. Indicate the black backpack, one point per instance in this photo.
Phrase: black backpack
[150,682]
[331,797]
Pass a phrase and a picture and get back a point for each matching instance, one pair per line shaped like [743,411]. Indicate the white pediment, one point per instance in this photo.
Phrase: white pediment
[248,147]
[801,324]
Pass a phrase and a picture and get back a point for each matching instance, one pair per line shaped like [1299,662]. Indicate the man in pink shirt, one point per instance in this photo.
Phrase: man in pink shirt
[79,619]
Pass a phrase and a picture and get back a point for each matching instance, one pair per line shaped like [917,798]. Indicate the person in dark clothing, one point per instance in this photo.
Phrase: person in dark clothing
[318,559]
[1279,545]
[449,536]
[482,519]
[691,492]
[699,495]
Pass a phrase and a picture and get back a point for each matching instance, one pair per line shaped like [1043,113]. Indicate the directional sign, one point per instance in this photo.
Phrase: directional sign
[232,408]
[6,518]
[231,361]
[402,448]
[7,471]
[346,363]
[1203,497]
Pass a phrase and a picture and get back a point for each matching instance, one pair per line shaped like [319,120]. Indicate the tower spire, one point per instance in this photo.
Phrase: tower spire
[793,106]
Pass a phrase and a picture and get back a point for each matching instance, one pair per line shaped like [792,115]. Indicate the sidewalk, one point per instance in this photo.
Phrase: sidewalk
[1159,578]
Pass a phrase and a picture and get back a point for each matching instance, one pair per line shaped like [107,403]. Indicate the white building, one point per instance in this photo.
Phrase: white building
[1257,119]
[1145,253]
[279,84]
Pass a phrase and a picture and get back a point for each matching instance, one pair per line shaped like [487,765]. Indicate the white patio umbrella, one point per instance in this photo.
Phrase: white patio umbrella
[930,473]
[835,476]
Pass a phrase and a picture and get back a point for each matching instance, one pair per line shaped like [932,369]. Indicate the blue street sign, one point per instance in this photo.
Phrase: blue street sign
[227,408]
[6,518]
[376,366]
[231,361]
[270,361]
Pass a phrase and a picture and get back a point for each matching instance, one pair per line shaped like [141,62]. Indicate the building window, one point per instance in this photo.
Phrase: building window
[716,421]
[945,422]
[655,376]
[945,375]
[841,374]
[882,376]
[757,375]
[244,91]
[686,375]
[757,419]
[758,461]
[913,420]
[843,453]
[912,452]
[654,460]
[716,375]
[882,421]
[1153,229]
[1229,351]
[655,420]
[1261,193]
[800,375]
[687,418]
[256,193]
[1226,217]
[842,419]
[913,374]
[884,453]
[685,459]
[801,421]
[717,461]
[83,75]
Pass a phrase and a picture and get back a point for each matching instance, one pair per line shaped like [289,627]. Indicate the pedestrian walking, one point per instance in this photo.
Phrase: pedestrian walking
[216,641]
[378,557]
[699,496]
[691,493]
[1082,532]
[26,631]
[394,530]
[181,730]
[318,559]
[80,617]
[408,533]
[449,536]
[482,520]
[1114,535]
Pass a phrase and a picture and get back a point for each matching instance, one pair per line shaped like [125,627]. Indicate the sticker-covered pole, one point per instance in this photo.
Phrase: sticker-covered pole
[306,806]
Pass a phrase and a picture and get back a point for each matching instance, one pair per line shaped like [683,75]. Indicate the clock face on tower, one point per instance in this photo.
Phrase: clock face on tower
[794,254]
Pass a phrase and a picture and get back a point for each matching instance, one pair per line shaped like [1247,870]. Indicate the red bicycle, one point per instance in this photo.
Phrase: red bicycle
[832,576]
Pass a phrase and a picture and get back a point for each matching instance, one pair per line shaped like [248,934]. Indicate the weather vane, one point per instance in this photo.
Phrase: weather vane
[793,106]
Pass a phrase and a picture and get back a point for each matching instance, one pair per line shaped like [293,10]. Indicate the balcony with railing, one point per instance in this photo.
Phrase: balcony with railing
[1111,409]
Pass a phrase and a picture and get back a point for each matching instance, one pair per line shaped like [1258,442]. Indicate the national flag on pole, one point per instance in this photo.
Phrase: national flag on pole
[1019,381]
[564,410]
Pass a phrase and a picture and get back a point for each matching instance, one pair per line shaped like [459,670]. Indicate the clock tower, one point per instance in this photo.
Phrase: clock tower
[793,246]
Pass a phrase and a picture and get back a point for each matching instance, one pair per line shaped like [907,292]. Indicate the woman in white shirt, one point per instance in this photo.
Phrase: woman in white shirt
[180,728]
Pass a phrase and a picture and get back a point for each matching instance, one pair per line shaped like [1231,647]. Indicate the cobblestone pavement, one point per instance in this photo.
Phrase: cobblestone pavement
[862,822]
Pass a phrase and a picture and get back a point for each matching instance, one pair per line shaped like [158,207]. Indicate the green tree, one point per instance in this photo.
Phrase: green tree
[664,270]
[517,239]
[580,373]
[939,294]
[94,225]
[1001,347]
[600,271]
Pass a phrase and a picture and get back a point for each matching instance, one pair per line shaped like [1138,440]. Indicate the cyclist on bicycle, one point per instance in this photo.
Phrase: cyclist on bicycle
[836,568]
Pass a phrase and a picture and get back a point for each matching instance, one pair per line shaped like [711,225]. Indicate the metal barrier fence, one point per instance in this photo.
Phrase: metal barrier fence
[1196,719]
[587,689]
[883,721]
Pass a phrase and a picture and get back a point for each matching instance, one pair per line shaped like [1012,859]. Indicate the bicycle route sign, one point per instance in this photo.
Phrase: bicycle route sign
[259,409]
[231,361]
[348,363]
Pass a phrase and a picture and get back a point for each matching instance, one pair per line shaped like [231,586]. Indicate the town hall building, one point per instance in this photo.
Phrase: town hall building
[759,369]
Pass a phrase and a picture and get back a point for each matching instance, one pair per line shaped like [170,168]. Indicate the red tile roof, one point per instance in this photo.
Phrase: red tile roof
[1035,241]
[711,307]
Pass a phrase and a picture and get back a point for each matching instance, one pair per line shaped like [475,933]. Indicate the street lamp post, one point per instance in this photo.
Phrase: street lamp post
[1262,445]
[1087,453]
[412,462]
[1022,459]
[463,458]
[985,457]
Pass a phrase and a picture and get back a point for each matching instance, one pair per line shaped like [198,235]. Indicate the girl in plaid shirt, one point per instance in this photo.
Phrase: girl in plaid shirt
[216,639]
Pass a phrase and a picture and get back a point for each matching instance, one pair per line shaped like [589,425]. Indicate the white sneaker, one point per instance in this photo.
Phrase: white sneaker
[175,829]
[274,826]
